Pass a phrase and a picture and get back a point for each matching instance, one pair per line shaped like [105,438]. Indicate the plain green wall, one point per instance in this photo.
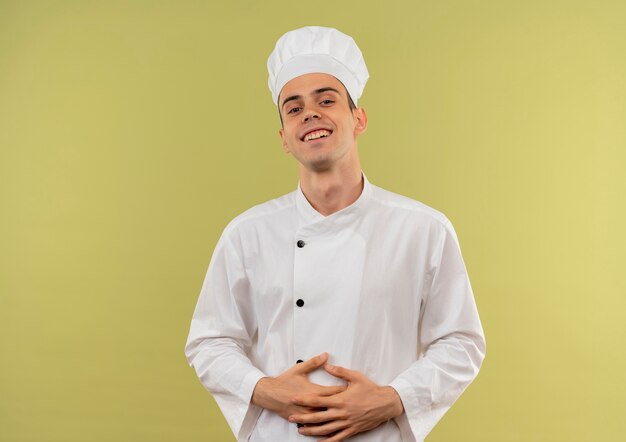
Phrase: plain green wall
[131,132]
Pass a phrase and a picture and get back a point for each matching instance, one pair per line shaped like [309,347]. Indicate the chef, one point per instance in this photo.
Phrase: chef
[340,310]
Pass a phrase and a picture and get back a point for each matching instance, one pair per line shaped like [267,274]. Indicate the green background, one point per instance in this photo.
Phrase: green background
[131,132]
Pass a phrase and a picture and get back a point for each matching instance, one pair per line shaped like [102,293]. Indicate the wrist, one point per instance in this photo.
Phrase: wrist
[260,394]
[396,408]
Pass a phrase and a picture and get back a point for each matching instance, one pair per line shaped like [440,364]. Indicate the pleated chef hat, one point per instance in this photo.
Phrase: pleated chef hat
[316,49]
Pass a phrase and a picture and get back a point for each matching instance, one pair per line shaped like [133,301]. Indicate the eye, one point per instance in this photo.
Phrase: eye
[293,110]
[327,101]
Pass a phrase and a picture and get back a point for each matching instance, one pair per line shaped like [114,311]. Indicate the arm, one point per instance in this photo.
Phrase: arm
[452,343]
[219,340]
[453,346]
[221,333]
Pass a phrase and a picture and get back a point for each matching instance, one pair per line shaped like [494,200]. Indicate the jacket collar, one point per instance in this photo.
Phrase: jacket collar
[307,215]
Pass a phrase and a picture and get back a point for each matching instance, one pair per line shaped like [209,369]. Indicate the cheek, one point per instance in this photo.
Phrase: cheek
[348,130]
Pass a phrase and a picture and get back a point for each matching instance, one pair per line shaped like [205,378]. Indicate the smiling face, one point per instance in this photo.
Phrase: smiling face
[319,127]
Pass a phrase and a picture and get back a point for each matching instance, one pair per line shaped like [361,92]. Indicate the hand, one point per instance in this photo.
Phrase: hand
[277,394]
[361,407]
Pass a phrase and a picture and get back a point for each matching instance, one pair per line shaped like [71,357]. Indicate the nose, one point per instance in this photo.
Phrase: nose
[310,114]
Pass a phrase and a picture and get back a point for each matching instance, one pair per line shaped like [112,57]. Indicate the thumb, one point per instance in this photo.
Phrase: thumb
[311,364]
[342,372]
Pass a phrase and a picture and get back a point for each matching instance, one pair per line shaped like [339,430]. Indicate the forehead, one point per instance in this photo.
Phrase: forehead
[307,83]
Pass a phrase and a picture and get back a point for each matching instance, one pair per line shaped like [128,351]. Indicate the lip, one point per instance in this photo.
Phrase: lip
[316,129]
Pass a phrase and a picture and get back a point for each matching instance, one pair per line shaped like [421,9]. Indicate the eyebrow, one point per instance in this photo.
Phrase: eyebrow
[315,92]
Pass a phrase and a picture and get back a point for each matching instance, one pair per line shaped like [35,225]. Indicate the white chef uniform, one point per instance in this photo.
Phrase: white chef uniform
[380,285]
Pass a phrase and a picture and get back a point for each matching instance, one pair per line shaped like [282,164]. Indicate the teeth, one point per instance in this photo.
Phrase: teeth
[317,134]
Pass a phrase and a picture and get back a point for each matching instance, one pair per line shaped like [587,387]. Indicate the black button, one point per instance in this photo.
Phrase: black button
[299,361]
[299,302]
[300,243]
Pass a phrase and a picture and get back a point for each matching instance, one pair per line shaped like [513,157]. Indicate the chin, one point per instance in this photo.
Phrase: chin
[320,165]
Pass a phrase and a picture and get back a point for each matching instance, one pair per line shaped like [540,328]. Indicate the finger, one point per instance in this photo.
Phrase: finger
[310,364]
[324,429]
[330,391]
[300,411]
[314,401]
[341,436]
[342,372]
[314,418]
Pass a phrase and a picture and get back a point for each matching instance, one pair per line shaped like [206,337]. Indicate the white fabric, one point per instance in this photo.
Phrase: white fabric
[316,49]
[385,292]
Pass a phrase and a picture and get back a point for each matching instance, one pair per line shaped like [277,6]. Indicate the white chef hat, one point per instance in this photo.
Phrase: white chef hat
[316,49]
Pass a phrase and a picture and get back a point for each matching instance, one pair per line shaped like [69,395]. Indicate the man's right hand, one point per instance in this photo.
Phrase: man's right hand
[277,394]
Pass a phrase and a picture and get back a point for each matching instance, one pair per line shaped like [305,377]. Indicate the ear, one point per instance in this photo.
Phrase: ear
[281,132]
[361,121]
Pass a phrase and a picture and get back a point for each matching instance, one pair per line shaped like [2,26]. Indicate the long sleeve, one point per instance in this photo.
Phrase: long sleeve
[452,343]
[222,329]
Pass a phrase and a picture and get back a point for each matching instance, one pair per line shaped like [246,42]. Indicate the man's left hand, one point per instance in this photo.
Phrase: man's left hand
[361,407]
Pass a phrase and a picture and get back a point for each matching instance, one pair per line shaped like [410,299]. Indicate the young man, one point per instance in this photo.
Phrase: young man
[340,310]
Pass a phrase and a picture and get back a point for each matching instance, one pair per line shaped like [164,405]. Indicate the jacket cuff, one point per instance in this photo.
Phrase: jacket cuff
[412,429]
[253,412]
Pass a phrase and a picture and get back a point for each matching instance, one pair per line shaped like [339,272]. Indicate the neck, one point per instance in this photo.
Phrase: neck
[332,190]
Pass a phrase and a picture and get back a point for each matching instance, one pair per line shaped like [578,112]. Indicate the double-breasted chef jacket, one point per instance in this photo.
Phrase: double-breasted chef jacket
[380,285]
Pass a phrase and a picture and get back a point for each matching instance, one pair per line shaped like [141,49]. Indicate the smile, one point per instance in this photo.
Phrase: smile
[323,133]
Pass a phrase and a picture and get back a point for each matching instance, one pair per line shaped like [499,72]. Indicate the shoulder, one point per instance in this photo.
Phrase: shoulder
[262,213]
[400,204]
